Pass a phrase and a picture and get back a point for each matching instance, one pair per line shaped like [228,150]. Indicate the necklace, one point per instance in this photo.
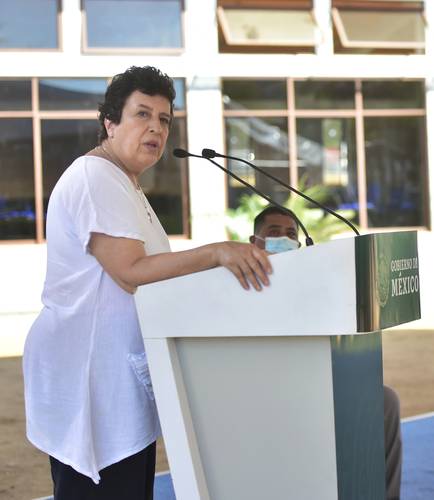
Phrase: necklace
[139,189]
[143,197]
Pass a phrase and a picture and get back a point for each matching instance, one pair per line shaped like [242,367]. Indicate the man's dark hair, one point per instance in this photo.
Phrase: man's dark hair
[271,210]
[146,79]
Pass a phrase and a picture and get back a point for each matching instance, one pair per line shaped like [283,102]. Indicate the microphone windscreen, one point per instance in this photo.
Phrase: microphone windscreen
[180,153]
[208,153]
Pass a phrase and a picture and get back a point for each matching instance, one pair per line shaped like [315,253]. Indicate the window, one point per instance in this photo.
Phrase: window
[263,94]
[326,155]
[15,95]
[63,120]
[311,94]
[263,26]
[17,196]
[365,141]
[384,94]
[261,140]
[394,149]
[373,26]
[29,24]
[257,137]
[63,93]
[132,25]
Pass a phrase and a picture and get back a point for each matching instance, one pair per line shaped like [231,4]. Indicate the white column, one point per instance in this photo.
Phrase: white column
[426,239]
[70,27]
[204,122]
[324,35]
[200,28]
[429,65]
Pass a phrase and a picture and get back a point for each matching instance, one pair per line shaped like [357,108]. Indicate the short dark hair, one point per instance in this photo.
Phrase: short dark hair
[270,210]
[146,79]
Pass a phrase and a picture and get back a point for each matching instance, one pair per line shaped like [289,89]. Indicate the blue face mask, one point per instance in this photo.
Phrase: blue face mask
[280,244]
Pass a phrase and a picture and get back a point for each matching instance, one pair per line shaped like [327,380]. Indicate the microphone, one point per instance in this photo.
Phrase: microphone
[182,153]
[210,153]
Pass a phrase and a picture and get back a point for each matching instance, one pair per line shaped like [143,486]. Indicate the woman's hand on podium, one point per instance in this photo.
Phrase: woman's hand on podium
[248,263]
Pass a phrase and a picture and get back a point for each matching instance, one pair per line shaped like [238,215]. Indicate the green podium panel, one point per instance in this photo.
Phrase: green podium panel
[359,416]
[387,274]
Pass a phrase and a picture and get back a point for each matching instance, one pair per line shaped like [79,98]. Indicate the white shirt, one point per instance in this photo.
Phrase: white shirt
[89,400]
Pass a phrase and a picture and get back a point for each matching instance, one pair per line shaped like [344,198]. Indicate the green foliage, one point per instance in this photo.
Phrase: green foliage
[320,225]
[239,221]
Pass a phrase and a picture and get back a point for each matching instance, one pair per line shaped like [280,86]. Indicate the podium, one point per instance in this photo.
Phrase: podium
[278,394]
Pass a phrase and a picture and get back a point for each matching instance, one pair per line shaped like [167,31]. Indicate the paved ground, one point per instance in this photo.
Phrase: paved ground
[24,474]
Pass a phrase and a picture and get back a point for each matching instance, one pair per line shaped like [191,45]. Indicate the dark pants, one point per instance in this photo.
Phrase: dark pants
[131,478]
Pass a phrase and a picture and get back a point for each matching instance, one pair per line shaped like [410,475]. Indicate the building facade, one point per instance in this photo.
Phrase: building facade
[331,92]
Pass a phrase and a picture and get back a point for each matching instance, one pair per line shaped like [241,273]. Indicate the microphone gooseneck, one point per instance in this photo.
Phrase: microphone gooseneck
[182,153]
[210,153]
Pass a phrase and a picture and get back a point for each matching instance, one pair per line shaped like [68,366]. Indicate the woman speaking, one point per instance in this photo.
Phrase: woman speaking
[87,404]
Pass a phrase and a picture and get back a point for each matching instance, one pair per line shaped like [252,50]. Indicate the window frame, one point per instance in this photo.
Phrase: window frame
[227,44]
[129,50]
[380,4]
[272,4]
[358,113]
[346,43]
[60,42]
[37,115]
[290,43]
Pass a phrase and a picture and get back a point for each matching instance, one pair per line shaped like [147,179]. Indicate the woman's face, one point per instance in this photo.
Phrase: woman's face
[139,139]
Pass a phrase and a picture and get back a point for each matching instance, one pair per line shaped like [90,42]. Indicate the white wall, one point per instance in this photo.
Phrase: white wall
[22,271]
[22,266]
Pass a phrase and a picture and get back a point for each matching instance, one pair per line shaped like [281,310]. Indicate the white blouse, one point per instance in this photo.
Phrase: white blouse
[88,394]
